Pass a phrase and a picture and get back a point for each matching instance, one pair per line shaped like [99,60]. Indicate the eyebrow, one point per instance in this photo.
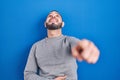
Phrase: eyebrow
[55,14]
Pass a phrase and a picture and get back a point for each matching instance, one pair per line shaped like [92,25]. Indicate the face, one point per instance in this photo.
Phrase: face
[54,21]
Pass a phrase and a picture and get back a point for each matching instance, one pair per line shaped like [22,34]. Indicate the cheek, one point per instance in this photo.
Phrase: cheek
[59,20]
[47,20]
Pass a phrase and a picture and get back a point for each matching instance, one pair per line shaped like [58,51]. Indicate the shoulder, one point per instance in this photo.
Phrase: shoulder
[72,38]
[39,42]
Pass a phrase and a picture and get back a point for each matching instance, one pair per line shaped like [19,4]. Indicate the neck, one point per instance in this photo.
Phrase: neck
[54,33]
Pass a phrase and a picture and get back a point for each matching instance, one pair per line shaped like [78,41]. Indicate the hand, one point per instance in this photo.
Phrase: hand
[86,50]
[61,78]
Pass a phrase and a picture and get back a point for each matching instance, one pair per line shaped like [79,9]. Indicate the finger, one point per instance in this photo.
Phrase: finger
[79,50]
[76,53]
[90,58]
[80,58]
[63,77]
[86,53]
[83,43]
[60,78]
[94,56]
[91,53]
[84,46]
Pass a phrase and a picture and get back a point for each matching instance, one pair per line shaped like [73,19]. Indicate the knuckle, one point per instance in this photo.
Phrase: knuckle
[85,56]
[89,61]
[85,41]
[97,52]
[91,44]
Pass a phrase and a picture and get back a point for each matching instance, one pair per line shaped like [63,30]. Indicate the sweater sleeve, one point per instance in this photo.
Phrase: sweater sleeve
[31,68]
[73,41]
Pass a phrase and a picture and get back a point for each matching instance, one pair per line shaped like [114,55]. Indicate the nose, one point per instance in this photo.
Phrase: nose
[53,16]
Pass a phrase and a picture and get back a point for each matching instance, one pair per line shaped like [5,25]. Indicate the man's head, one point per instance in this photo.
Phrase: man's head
[54,21]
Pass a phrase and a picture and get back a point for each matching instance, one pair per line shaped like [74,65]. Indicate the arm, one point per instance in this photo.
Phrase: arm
[84,50]
[30,72]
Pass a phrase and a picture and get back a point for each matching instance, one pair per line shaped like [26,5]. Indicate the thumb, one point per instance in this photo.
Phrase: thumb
[76,53]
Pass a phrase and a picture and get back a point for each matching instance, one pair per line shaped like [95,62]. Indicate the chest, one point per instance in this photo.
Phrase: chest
[53,53]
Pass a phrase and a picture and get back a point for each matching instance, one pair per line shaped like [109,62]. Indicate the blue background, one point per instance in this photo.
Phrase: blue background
[22,24]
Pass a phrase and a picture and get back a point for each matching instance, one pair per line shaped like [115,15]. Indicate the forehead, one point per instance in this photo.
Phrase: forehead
[54,12]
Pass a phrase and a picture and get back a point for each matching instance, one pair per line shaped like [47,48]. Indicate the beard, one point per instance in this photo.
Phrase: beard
[53,26]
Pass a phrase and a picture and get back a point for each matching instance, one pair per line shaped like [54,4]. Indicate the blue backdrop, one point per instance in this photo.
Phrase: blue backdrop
[21,25]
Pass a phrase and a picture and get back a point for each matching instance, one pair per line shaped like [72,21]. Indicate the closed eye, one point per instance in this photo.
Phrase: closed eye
[57,16]
[50,16]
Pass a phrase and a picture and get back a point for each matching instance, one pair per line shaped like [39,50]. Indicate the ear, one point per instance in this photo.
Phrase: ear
[63,24]
[45,24]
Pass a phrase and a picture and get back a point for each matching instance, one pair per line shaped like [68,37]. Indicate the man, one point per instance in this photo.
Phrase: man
[54,57]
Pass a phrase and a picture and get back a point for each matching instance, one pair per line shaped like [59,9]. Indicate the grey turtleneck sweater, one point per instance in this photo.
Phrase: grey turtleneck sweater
[50,58]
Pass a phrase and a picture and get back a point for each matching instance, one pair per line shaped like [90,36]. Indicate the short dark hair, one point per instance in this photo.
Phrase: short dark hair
[55,11]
